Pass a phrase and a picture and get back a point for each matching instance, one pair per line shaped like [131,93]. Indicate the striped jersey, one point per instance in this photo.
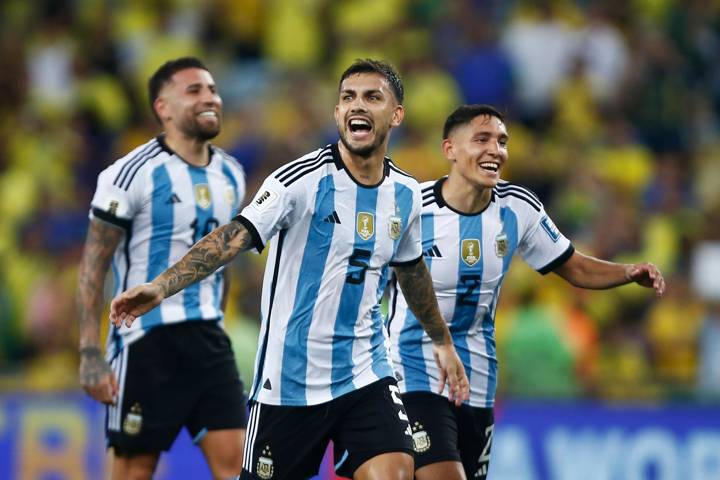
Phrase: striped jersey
[332,241]
[468,257]
[165,205]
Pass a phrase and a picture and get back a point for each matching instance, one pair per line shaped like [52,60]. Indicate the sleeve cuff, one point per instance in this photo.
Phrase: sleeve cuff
[564,257]
[256,239]
[112,219]
[406,264]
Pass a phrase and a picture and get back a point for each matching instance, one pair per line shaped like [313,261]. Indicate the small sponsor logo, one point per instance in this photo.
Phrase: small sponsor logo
[470,250]
[550,228]
[264,199]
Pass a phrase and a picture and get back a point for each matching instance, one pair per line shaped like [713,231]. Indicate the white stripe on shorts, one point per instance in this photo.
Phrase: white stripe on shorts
[252,429]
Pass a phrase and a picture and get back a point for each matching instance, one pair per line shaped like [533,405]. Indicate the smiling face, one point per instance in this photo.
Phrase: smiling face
[478,150]
[190,104]
[365,113]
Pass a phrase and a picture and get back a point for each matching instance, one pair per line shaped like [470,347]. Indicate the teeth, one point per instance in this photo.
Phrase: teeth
[359,122]
[208,114]
[489,166]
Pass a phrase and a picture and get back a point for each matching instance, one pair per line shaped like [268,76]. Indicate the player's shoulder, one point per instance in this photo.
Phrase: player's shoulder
[304,167]
[430,196]
[399,174]
[124,170]
[227,159]
[516,195]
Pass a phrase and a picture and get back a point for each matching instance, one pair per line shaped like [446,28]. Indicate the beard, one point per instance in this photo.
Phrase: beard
[194,129]
[364,151]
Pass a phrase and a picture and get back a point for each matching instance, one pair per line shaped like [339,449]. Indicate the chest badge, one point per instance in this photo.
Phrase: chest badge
[365,225]
[395,227]
[202,195]
[501,245]
[470,251]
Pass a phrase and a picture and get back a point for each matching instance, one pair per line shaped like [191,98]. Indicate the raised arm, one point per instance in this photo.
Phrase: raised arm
[416,284]
[210,253]
[589,272]
[95,375]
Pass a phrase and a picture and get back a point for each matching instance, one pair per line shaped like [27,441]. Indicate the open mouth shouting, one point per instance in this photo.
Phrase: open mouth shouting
[360,128]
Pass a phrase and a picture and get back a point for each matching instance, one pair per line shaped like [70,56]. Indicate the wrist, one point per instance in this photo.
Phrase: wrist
[90,351]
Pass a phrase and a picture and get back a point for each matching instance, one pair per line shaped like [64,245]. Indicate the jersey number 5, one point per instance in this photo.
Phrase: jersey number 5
[358,266]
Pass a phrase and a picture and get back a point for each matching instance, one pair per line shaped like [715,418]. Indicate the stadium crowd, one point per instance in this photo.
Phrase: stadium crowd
[614,109]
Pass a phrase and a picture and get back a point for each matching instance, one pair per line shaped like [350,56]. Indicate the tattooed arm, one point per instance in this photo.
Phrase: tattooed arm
[212,251]
[95,375]
[416,284]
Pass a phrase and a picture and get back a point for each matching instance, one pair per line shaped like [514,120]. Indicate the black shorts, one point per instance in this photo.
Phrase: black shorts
[443,432]
[289,442]
[175,375]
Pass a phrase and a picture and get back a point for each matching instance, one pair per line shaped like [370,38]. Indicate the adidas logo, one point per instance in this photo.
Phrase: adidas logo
[173,199]
[332,218]
[267,385]
[433,252]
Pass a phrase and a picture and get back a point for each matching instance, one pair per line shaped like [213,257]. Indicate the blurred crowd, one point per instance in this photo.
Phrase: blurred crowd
[613,111]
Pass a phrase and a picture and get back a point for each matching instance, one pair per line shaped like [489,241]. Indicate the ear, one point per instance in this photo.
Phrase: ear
[447,148]
[161,109]
[398,116]
[337,115]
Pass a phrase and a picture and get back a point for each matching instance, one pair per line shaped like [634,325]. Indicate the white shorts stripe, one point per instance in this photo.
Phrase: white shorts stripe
[252,429]
[120,375]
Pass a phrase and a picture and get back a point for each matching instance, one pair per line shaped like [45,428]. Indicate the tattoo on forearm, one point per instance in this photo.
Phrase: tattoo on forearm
[93,367]
[416,284]
[102,240]
[210,253]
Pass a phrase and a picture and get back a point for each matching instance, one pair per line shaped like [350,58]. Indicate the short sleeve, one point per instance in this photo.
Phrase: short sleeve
[273,208]
[112,203]
[410,247]
[544,248]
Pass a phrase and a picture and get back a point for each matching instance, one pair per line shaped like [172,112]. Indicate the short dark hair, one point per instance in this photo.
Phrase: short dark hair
[368,65]
[465,113]
[163,75]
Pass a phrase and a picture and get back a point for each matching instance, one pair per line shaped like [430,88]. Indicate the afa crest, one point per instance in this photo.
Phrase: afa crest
[202,195]
[470,251]
[133,420]
[365,225]
[264,465]
[501,245]
[421,439]
[395,224]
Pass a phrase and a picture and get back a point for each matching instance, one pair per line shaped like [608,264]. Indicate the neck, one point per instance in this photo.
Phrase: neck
[463,196]
[193,151]
[366,170]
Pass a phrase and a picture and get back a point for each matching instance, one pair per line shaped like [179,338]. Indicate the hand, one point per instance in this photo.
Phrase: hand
[452,372]
[96,377]
[135,302]
[647,275]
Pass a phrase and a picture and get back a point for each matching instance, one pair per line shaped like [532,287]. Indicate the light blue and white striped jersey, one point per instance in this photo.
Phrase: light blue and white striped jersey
[468,257]
[165,205]
[332,241]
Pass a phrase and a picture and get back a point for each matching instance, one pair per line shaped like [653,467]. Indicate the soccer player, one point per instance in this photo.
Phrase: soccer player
[337,220]
[472,225]
[174,367]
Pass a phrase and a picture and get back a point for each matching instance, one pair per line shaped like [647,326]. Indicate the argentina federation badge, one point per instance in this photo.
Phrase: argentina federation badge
[202,195]
[395,227]
[421,440]
[501,245]
[132,425]
[365,225]
[264,467]
[470,251]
